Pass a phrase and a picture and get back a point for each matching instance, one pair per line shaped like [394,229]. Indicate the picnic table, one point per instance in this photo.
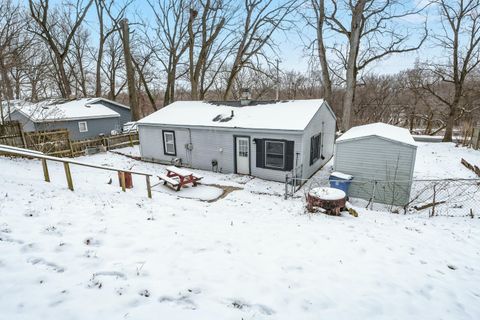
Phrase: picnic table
[179,177]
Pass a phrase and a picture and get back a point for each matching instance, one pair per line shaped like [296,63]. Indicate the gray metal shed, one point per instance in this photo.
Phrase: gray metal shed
[381,158]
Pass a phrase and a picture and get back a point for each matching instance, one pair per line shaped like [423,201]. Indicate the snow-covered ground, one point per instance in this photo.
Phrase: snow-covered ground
[99,253]
[442,161]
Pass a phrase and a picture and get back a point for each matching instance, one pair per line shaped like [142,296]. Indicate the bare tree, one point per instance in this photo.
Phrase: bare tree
[36,71]
[57,28]
[460,37]
[317,21]
[171,39]
[258,21]
[212,18]
[11,46]
[79,62]
[371,32]
[112,67]
[142,62]
[130,71]
[106,30]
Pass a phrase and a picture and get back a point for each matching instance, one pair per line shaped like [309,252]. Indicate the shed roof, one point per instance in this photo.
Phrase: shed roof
[275,115]
[379,129]
[61,110]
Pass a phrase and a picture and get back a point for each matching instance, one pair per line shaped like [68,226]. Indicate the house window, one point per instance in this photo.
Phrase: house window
[82,126]
[315,146]
[274,154]
[169,143]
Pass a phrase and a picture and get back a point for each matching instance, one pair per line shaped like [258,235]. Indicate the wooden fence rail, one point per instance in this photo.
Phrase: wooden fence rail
[11,134]
[67,162]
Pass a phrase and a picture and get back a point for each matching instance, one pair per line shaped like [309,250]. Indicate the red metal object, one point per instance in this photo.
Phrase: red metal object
[331,206]
[128,179]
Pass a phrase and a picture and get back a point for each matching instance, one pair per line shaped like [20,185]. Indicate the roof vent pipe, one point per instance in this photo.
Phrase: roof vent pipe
[245,97]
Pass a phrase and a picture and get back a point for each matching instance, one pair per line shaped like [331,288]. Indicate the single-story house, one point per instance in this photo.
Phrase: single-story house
[265,139]
[379,152]
[84,118]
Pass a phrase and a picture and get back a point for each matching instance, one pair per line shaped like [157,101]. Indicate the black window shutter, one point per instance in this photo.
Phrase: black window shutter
[260,145]
[289,145]
[312,146]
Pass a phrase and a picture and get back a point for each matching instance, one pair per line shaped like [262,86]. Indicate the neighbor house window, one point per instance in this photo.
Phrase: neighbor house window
[169,143]
[82,126]
[274,154]
[315,146]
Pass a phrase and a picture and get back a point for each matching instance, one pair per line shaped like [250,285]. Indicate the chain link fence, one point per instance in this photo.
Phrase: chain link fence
[437,197]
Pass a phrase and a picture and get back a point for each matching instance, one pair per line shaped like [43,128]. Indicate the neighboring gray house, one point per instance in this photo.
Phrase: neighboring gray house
[265,139]
[7,106]
[379,152]
[84,118]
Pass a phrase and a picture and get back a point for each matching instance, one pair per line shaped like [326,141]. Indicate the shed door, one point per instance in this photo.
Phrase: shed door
[242,155]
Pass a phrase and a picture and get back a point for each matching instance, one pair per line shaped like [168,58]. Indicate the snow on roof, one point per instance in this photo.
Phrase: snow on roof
[282,115]
[379,129]
[112,102]
[10,105]
[56,110]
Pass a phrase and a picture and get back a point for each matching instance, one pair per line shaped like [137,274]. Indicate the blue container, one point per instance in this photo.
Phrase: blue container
[340,181]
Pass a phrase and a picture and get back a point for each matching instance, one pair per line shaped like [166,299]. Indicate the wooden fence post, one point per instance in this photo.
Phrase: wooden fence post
[68,174]
[149,187]
[20,128]
[45,170]
[131,140]
[107,143]
[122,180]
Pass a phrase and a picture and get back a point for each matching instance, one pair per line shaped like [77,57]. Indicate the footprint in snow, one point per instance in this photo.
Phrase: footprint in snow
[5,238]
[49,265]
[116,274]
[92,242]
[52,230]
[31,213]
[144,293]
[29,247]
[242,305]
[183,300]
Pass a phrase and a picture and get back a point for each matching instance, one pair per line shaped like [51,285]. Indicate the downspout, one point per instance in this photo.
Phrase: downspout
[321,141]
[190,147]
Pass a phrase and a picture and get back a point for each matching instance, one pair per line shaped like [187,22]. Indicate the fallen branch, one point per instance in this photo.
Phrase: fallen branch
[471,167]
[426,206]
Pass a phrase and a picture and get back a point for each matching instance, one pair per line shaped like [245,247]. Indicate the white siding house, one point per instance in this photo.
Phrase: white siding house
[380,152]
[262,139]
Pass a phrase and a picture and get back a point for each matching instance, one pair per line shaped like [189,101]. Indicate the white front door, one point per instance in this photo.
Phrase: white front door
[243,155]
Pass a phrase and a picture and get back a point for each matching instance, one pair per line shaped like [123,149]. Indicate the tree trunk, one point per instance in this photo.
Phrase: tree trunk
[231,79]
[349,98]
[33,91]
[98,70]
[64,84]
[2,117]
[351,74]
[7,84]
[132,92]
[169,96]
[322,55]
[450,122]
